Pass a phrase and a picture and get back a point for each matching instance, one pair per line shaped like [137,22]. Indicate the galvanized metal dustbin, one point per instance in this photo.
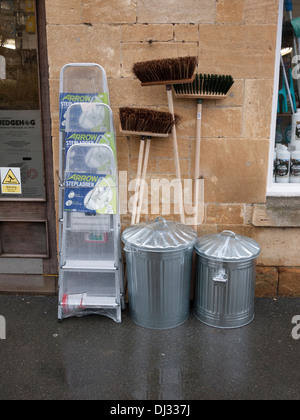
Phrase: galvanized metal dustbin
[225,279]
[159,265]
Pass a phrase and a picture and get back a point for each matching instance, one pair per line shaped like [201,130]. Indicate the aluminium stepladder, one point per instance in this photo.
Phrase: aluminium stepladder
[90,266]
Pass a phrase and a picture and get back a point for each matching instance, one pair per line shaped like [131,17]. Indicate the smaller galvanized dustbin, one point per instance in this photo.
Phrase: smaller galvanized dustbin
[159,264]
[225,279]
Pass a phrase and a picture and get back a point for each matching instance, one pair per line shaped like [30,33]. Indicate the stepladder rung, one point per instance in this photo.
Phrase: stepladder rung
[83,265]
[85,301]
[83,304]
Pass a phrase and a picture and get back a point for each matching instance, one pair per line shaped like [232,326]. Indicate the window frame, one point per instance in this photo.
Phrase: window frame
[273,189]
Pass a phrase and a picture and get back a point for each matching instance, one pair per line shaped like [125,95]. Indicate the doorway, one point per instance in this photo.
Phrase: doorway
[28,258]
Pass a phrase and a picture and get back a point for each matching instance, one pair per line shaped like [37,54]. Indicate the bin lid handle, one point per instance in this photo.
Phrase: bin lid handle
[228,233]
[129,250]
[164,220]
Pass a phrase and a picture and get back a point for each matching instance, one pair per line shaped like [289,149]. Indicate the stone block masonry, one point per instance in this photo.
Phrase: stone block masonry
[236,37]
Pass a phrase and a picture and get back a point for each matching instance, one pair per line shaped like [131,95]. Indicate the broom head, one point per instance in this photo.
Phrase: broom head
[207,86]
[146,122]
[167,71]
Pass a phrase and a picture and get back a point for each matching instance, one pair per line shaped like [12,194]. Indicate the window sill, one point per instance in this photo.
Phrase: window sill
[277,212]
[284,190]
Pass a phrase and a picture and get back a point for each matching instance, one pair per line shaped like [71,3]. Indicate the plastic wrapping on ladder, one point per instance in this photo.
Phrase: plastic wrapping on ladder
[91,267]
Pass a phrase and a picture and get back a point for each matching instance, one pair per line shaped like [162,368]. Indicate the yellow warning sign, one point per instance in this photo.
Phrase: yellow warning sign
[11,181]
[10,178]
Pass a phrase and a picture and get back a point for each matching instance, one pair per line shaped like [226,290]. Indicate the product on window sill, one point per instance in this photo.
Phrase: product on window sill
[283,157]
[295,137]
[295,166]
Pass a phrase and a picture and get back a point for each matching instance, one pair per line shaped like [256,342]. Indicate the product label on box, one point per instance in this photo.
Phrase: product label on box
[90,193]
[67,99]
[106,138]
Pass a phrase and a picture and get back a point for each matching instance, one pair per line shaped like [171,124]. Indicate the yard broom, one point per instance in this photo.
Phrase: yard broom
[203,87]
[168,72]
[146,124]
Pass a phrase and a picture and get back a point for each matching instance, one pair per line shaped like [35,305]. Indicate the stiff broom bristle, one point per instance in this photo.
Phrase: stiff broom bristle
[206,84]
[169,69]
[143,120]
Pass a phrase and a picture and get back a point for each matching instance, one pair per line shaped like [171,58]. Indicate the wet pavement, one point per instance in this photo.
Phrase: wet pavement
[95,358]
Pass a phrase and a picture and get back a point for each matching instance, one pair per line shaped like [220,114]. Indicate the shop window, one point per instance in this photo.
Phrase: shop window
[21,144]
[284,159]
[2,67]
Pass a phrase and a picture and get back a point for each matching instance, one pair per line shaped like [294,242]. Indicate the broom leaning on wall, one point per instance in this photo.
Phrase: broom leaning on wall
[168,72]
[204,86]
[145,123]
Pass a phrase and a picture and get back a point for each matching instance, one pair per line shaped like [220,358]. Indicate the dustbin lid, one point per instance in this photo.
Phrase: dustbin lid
[227,246]
[160,235]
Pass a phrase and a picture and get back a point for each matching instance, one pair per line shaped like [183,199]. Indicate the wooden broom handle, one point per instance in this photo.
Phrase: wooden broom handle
[142,185]
[176,154]
[138,180]
[198,139]
[197,161]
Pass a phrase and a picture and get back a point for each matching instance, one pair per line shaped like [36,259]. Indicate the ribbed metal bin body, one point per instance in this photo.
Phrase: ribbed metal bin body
[225,305]
[225,280]
[159,286]
[159,258]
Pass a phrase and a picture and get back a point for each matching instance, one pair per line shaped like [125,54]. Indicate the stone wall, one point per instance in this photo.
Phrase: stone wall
[236,37]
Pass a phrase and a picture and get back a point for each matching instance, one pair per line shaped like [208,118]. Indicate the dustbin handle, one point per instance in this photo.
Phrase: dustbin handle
[220,277]
[228,233]
[164,220]
[126,249]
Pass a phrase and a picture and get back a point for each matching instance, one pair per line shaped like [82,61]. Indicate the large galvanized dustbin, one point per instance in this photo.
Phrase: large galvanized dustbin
[159,264]
[225,279]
